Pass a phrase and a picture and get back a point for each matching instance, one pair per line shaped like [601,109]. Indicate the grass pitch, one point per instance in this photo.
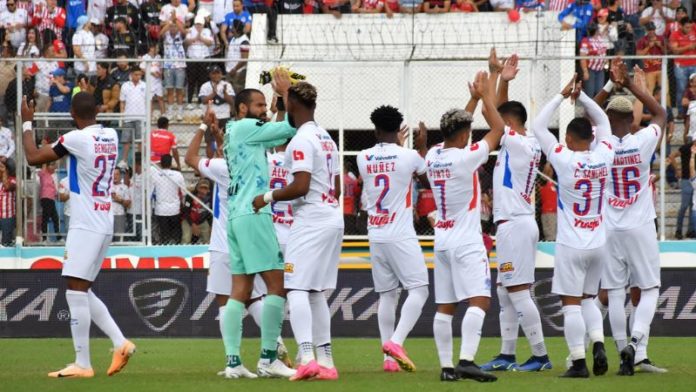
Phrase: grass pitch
[190,365]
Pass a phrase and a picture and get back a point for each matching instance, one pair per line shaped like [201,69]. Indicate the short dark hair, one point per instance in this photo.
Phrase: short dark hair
[387,118]
[591,29]
[455,121]
[84,106]
[81,77]
[166,161]
[244,97]
[138,157]
[580,128]
[684,20]
[514,109]
[104,64]
[304,93]
[162,123]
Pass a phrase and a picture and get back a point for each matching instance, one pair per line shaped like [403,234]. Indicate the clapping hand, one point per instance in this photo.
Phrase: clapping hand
[27,110]
[510,68]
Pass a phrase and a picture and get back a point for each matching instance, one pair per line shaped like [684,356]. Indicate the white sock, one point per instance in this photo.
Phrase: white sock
[593,320]
[410,313]
[574,331]
[102,318]
[631,315]
[321,329]
[530,320]
[644,314]
[442,330]
[602,309]
[80,319]
[642,350]
[255,310]
[509,323]
[301,323]
[471,332]
[617,317]
[386,314]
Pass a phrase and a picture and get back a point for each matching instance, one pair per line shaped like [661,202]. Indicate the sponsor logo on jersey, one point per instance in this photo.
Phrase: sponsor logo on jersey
[289,268]
[558,149]
[158,302]
[474,147]
[591,224]
[506,267]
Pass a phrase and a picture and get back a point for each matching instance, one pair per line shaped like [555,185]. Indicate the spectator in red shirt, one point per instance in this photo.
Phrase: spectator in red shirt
[683,41]
[163,142]
[653,45]
[351,196]
[373,7]
[436,6]
[593,68]
[674,25]
[47,195]
[8,202]
[549,203]
[463,6]
[49,16]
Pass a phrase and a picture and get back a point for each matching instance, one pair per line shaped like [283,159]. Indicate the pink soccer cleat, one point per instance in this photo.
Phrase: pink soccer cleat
[327,373]
[391,366]
[306,371]
[399,354]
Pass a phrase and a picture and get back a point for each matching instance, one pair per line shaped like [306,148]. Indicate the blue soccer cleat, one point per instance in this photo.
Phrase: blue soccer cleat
[500,363]
[535,364]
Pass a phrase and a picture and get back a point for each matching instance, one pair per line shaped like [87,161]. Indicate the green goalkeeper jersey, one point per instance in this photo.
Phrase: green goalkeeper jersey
[246,142]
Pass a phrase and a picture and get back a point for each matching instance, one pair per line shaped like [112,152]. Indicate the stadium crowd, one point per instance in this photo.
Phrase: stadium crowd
[52,30]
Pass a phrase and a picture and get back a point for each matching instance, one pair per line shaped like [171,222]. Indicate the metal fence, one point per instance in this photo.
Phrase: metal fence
[177,210]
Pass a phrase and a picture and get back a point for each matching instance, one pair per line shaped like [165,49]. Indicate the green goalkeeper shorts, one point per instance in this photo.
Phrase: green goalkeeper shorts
[253,245]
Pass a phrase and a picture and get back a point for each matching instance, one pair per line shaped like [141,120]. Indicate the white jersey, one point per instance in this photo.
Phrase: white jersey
[387,172]
[582,181]
[64,189]
[122,191]
[514,176]
[280,177]
[629,195]
[312,150]
[453,177]
[166,185]
[93,152]
[216,170]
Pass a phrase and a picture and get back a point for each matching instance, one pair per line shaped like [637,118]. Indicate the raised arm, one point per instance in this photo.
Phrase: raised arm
[659,115]
[35,156]
[192,158]
[540,125]
[508,74]
[484,87]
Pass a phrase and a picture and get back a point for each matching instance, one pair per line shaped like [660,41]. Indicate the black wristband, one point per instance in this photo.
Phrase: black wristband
[280,104]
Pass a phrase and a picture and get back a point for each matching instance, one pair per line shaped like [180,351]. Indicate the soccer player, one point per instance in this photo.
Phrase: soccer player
[92,150]
[387,171]
[314,244]
[514,179]
[461,262]
[280,177]
[632,246]
[253,245]
[582,175]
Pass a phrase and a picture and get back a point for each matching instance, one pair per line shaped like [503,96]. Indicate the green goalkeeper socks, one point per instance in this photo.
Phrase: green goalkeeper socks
[272,317]
[232,334]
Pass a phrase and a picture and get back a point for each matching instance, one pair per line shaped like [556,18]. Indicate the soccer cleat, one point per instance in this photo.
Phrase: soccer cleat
[275,369]
[328,374]
[472,371]
[306,371]
[399,354]
[391,366]
[501,362]
[121,357]
[284,355]
[239,371]
[534,364]
[574,372]
[221,372]
[628,355]
[448,374]
[599,357]
[646,366]
[73,371]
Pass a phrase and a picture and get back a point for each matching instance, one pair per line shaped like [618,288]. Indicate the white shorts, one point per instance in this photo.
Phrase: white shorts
[84,253]
[398,262]
[311,258]
[220,277]
[461,273]
[577,271]
[282,233]
[633,257]
[156,87]
[516,242]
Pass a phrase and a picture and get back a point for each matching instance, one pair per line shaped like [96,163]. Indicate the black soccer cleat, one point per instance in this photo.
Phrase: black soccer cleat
[468,369]
[578,370]
[599,356]
[628,355]
[448,374]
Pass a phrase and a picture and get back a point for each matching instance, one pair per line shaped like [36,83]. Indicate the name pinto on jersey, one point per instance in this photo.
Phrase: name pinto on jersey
[441,171]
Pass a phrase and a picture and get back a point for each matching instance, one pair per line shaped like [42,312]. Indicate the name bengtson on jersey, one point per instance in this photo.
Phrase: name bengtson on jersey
[92,158]
[514,176]
[387,172]
[279,177]
[582,182]
[453,176]
[629,201]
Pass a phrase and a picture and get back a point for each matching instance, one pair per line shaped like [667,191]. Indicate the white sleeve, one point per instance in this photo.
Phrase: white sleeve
[228,87]
[302,155]
[597,115]
[71,141]
[205,89]
[215,169]
[476,155]
[419,166]
[547,141]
